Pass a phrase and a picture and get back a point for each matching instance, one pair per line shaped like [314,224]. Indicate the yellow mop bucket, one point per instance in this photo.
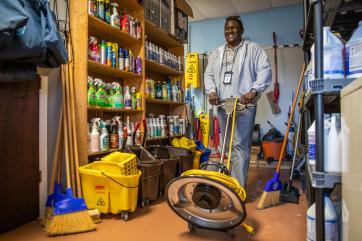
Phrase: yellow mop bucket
[105,188]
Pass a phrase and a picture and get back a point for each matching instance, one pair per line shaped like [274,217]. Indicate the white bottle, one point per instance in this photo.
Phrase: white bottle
[354,53]
[94,138]
[89,137]
[150,131]
[333,163]
[174,93]
[104,138]
[333,61]
[330,222]
[127,99]
[120,134]
[115,16]
[129,133]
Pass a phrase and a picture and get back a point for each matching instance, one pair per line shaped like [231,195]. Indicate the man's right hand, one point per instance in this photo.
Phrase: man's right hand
[214,99]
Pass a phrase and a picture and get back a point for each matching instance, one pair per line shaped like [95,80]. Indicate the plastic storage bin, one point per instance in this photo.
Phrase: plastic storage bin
[107,190]
[171,166]
[151,169]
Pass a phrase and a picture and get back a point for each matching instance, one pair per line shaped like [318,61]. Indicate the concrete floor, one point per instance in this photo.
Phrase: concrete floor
[285,222]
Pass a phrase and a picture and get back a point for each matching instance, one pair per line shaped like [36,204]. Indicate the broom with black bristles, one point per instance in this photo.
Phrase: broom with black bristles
[271,194]
[70,215]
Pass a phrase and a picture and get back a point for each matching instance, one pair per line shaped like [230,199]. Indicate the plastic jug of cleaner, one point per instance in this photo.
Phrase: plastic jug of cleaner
[333,61]
[104,138]
[354,53]
[330,222]
[312,141]
[333,163]
[115,20]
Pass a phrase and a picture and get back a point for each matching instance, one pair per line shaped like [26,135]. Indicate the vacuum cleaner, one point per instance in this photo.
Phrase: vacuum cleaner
[209,197]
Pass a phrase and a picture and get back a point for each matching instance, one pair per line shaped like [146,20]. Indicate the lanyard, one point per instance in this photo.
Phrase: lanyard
[225,55]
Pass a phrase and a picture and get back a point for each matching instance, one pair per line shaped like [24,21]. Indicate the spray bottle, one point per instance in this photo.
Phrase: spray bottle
[117,97]
[117,121]
[127,98]
[94,136]
[92,99]
[113,137]
[125,21]
[101,94]
[115,16]
[129,133]
[104,138]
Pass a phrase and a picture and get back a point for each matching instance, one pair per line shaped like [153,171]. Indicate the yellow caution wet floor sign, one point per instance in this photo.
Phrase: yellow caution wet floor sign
[192,70]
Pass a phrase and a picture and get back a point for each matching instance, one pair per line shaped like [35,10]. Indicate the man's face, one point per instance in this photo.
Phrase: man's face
[232,32]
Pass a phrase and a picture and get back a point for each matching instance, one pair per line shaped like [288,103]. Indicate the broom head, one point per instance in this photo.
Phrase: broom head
[271,194]
[70,215]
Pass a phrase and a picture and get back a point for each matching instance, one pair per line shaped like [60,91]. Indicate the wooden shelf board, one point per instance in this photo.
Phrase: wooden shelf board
[102,152]
[130,5]
[159,36]
[163,138]
[161,69]
[107,109]
[94,67]
[107,32]
[163,102]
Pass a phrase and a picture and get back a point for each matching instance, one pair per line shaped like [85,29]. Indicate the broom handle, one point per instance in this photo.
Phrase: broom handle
[70,128]
[290,119]
[55,163]
[65,133]
[72,110]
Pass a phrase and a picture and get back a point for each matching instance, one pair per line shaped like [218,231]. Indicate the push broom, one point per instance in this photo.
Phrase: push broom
[273,187]
[70,215]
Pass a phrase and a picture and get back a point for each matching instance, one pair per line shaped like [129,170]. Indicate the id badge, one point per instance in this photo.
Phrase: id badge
[227,77]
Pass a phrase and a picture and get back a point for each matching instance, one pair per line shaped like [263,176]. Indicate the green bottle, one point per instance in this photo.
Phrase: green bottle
[101,94]
[91,92]
[117,98]
[111,93]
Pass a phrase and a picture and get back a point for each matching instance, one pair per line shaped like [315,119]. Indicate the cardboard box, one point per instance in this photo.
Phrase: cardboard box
[179,21]
[165,15]
[152,10]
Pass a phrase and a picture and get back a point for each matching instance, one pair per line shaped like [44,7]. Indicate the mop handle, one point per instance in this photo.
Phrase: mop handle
[232,134]
[290,119]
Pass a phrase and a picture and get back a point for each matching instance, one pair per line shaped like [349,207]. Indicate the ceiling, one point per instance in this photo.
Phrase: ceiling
[205,9]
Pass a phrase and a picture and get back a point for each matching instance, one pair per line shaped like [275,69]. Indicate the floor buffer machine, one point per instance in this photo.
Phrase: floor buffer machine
[209,197]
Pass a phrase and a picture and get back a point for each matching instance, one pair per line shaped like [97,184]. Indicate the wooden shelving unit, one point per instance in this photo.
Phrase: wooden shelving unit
[163,138]
[163,102]
[84,25]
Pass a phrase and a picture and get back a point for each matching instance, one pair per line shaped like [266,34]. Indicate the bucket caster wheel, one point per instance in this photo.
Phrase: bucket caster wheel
[192,227]
[232,232]
[124,215]
[145,203]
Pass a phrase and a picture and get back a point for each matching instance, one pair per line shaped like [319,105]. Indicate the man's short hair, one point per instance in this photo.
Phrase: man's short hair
[236,19]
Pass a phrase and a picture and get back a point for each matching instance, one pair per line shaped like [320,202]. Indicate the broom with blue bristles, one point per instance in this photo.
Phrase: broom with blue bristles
[271,194]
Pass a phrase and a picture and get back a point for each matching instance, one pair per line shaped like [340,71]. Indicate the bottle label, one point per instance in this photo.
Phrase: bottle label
[128,103]
[354,59]
[105,144]
[94,144]
[113,141]
[333,63]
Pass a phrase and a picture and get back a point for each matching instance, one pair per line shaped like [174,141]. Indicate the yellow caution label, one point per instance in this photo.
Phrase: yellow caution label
[204,129]
[192,76]
[101,202]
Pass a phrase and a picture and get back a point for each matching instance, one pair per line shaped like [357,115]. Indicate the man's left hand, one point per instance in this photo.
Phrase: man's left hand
[247,98]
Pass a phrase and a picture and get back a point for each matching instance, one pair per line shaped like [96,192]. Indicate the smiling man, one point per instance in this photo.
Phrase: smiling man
[239,68]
